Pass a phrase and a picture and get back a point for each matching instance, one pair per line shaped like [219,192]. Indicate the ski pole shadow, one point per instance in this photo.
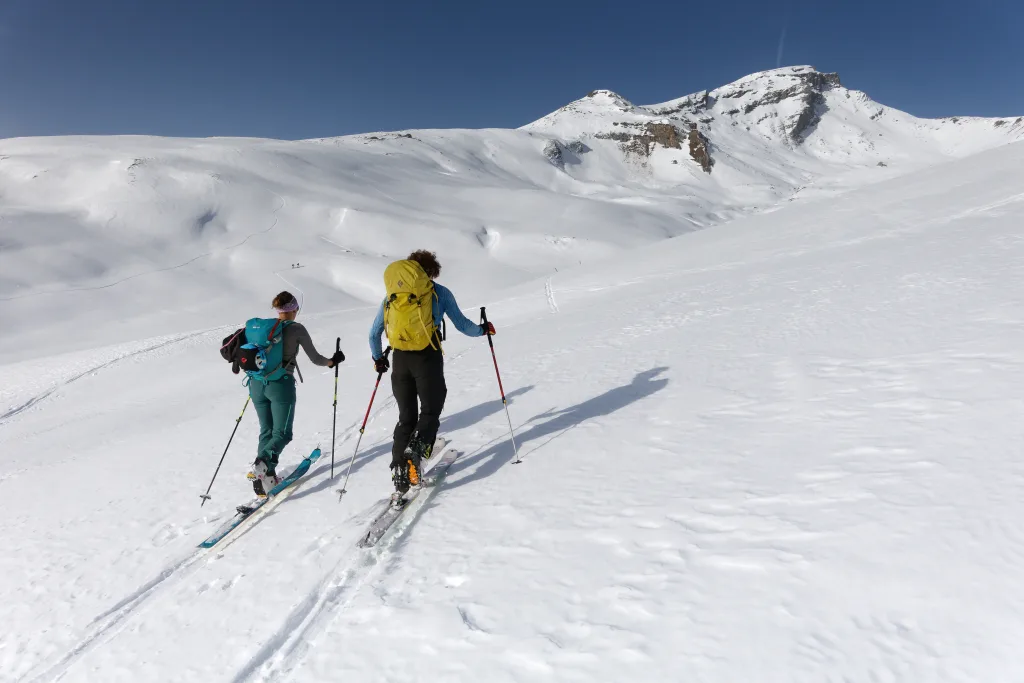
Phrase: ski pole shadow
[471,416]
[557,422]
[452,423]
[361,460]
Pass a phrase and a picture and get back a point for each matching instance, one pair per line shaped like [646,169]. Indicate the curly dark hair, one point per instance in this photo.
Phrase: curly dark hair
[283,299]
[428,260]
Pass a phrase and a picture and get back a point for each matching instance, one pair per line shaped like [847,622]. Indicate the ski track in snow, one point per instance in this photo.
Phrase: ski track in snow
[39,398]
[285,652]
[317,609]
[107,625]
[155,270]
[549,292]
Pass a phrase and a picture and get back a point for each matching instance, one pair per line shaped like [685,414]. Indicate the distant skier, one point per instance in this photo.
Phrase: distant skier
[411,315]
[270,359]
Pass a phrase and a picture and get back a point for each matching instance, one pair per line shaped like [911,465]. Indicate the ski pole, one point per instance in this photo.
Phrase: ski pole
[206,496]
[341,491]
[334,423]
[504,401]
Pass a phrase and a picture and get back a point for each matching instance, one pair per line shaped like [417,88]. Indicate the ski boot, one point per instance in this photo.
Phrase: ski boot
[408,473]
[400,477]
[264,478]
[418,450]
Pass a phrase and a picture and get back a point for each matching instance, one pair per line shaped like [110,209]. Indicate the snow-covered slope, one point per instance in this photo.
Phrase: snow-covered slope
[153,236]
[785,449]
[107,240]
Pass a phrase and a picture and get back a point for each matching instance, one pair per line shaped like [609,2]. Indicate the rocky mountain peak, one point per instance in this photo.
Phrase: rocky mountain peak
[791,110]
[799,87]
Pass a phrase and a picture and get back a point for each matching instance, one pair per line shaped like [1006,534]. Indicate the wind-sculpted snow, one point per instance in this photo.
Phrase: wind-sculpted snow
[168,234]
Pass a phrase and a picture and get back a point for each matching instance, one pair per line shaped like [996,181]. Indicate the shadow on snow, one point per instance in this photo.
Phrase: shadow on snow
[449,425]
[557,422]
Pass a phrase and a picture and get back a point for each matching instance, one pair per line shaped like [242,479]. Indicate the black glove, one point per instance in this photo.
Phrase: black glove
[488,328]
[338,357]
[381,364]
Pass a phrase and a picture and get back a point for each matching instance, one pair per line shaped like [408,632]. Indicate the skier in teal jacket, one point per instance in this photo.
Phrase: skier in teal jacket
[274,401]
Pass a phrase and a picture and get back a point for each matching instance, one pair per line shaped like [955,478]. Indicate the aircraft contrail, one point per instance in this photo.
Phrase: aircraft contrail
[782,44]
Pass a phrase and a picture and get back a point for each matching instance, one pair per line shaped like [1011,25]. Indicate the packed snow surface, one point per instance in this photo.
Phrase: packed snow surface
[784,448]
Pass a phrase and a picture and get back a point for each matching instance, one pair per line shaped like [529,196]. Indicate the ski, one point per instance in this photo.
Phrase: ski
[244,512]
[408,505]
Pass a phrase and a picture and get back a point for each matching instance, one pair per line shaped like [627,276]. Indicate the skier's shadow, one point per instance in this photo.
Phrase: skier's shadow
[557,422]
[450,424]
[471,416]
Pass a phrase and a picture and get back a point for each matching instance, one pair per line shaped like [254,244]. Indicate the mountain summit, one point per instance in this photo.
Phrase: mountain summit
[806,117]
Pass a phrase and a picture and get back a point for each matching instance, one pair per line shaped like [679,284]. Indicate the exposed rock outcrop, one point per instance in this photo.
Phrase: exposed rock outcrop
[807,91]
[560,154]
[577,147]
[553,151]
[700,149]
[646,136]
[693,105]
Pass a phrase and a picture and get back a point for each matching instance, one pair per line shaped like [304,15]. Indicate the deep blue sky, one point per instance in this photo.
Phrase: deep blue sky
[309,68]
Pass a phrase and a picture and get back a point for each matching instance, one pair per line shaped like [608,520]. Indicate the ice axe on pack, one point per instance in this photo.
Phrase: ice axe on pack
[362,429]
[504,401]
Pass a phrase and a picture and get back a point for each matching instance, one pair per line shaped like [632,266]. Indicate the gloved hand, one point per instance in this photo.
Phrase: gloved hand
[381,364]
[338,357]
[488,328]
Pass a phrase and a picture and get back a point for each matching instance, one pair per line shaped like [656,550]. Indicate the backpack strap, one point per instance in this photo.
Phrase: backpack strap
[436,332]
[270,335]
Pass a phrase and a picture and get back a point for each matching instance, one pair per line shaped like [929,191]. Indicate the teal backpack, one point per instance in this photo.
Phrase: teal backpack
[262,356]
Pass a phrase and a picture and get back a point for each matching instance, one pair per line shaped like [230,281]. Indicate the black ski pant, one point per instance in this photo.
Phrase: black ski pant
[417,380]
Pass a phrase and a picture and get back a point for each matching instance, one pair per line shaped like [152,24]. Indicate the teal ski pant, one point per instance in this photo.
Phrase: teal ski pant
[275,405]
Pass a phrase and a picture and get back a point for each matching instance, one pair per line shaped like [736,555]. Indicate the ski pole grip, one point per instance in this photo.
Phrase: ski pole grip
[337,345]
[483,314]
